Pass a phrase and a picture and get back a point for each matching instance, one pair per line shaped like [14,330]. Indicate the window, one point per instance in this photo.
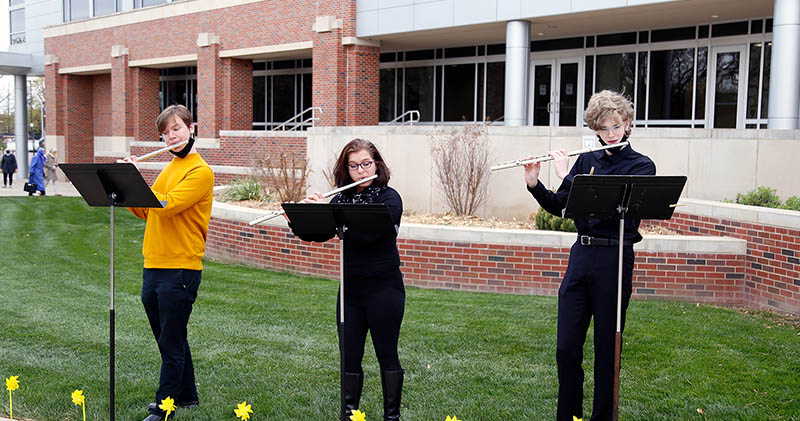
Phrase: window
[671,83]
[387,93]
[616,72]
[179,86]
[76,10]
[418,91]
[15,2]
[106,7]
[281,90]
[459,92]
[17,26]
[758,84]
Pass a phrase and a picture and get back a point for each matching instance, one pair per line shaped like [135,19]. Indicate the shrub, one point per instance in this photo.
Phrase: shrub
[792,203]
[549,222]
[287,176]
[762,196]
[247,188]
[461,158]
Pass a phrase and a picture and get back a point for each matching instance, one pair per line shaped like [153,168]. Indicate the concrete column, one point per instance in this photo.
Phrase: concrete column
[784,78]
[518,42]
[21,123]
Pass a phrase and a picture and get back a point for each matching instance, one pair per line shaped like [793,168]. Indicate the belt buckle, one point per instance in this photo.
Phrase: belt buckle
[586,240]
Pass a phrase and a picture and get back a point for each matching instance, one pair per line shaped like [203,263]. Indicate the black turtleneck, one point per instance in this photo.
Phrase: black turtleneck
[624,162]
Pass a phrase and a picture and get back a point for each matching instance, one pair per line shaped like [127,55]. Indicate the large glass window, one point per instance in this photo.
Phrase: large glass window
[105,7]
[616,72]
[418,91]
[179,86]
[76,10]
[495,90]
[459,92]
[281,90]
[17,26]
[671,83]
[758,85]
[387,93]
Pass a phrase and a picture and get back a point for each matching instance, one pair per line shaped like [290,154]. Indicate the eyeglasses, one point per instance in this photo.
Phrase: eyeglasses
[365,165]
[615,129]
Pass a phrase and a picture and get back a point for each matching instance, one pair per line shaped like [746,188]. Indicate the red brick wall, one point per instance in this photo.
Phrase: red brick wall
[363,85]
[237,91]
[101,105]
[771,279]
[122,100]
[327,79]
[54,94]
[695,277]
[145,103]
[345,80]
[79,127]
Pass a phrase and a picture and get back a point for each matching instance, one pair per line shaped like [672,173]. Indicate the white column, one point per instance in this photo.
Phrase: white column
[21,124]
[518,42]
[784,78]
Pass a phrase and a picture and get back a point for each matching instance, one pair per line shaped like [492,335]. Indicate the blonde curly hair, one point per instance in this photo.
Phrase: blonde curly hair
[605,104]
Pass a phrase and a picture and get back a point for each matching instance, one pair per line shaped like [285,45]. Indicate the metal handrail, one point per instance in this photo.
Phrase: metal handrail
[411,119]
[312,119]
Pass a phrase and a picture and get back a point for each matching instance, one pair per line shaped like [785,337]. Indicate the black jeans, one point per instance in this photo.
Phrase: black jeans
[168,296]
[374,304]
[589,290]
[8,178]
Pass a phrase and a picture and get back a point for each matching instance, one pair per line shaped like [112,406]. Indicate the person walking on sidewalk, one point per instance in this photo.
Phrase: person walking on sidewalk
[9,167]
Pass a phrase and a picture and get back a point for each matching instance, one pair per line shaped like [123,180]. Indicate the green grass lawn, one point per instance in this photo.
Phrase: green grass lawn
[269,338]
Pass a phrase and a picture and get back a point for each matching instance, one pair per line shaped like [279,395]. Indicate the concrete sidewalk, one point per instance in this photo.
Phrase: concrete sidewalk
[61,188]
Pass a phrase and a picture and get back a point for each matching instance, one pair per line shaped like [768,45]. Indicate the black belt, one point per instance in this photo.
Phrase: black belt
[586,240]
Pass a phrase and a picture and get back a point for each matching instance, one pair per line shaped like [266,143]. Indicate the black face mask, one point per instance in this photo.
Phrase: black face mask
[186,149]
[613,150]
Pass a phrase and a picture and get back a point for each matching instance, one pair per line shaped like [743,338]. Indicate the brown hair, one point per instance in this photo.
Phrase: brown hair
[165,118]
[340,171]
[605,104]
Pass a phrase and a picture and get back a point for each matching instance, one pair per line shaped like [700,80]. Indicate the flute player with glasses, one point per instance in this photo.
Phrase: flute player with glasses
[173,248]
[589,287]
[375,298]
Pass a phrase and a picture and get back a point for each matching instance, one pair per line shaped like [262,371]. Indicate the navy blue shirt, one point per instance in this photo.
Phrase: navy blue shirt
[624,162]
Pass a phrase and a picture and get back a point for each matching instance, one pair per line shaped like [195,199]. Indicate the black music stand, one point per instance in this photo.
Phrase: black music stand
[636,196]
[319,222]
[111,185]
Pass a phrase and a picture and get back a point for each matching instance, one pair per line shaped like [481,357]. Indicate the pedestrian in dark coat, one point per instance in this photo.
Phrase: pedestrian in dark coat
[9,167]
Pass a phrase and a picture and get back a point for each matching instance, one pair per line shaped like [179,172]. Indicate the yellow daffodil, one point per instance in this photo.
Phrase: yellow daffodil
[243,411]
[574,418]
[168,405]
[79,399]
[358,416]
[12,384]
[452,419]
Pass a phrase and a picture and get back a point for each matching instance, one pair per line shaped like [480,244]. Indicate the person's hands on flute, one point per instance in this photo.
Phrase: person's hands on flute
[561,161]
[315,198]
[532,173]
[131,159]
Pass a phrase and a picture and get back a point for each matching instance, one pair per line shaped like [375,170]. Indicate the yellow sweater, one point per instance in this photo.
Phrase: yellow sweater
[175,236]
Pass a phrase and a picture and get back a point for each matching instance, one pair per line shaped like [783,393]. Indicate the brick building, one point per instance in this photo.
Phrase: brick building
[249,65]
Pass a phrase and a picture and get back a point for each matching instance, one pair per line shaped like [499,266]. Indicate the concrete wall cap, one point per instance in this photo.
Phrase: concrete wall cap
[206,39]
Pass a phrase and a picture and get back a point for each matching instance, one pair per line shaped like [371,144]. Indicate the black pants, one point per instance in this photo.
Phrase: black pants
[8,178]
[589,289]
[375,304]
[168,295]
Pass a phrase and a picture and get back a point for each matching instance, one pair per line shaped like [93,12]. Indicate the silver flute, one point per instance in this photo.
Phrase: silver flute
[275,214]
[544,158]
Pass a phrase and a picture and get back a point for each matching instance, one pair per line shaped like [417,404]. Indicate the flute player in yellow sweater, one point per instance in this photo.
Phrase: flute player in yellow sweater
[173,247]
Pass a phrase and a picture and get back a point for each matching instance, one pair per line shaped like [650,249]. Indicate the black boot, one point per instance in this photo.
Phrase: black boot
[353,383]
[392,382]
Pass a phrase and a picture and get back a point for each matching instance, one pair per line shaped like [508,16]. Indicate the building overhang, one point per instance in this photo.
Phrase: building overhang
[21,64]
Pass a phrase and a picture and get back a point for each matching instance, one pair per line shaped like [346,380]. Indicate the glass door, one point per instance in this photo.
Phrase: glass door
[556,92]
[727,85]
[542,92]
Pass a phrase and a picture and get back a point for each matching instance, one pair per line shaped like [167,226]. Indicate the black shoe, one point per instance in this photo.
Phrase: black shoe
[186,405]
